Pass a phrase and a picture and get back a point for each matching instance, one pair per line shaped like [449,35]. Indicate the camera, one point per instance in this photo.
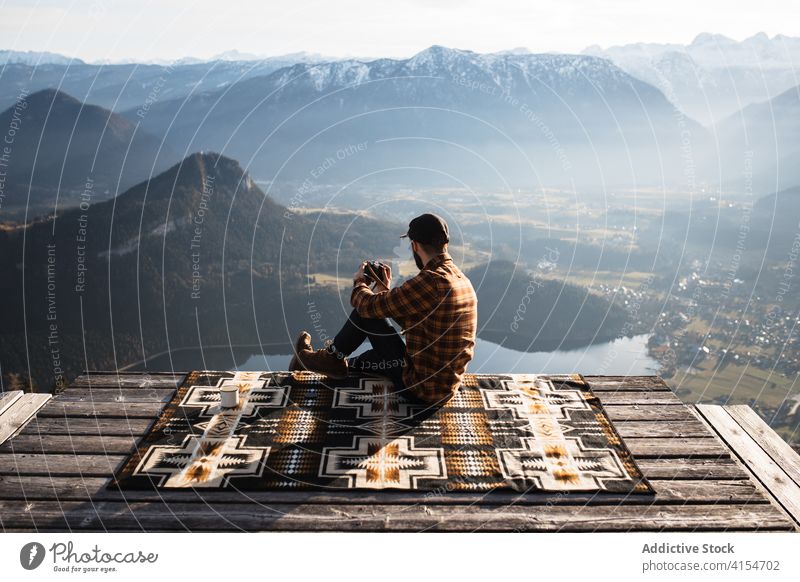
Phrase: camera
[373,270]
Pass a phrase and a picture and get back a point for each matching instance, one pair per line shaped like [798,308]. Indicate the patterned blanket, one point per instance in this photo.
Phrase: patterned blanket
[299,430]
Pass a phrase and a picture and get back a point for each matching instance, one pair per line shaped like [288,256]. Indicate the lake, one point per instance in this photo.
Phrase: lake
[623,356]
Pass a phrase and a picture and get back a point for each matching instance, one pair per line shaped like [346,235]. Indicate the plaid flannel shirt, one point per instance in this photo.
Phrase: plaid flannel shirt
[437,311]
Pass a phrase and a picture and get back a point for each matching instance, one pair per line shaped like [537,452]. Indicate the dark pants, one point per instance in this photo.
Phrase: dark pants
[386,358]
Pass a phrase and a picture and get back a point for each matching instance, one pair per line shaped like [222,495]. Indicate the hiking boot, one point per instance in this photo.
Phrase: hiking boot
[324,361]
[303,344]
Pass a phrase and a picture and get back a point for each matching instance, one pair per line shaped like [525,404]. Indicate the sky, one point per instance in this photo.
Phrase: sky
[144,30]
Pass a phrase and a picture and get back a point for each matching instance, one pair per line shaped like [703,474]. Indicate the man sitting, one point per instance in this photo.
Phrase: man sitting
[437,311]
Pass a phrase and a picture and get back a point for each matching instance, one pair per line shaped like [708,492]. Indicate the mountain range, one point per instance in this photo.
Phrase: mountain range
[35,58]
[714,76]
[127,85]
[762,140]
[487,118]
[708,79]
[620,116]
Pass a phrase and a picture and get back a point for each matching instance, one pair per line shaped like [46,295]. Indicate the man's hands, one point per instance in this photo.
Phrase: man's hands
[386,279]
[359,275]
[385,276]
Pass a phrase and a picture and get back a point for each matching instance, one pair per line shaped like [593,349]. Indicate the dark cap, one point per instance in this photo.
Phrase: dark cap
[428,229]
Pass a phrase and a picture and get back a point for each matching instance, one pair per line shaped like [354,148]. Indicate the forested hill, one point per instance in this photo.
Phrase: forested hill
[197,255]
[527,311]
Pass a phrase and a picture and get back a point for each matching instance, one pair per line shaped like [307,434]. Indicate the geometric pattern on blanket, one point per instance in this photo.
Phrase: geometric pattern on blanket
[304,431]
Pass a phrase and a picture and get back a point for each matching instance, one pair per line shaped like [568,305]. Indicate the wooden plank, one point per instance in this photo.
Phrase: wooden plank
[73,488]
[670,428]
[700,468]
[116,395]
[641,398]
[651,413]
[777,448]
[675,447]
[125,380]
[60,464]
[8,398]
[123,372]
[776,481]
[89,426]
[173,379]
[707,491]
[159,516]
[19,413]
[69,444]
[632,383]
[60,409]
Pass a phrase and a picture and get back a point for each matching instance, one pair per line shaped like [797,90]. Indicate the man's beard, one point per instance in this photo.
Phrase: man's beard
[418,260]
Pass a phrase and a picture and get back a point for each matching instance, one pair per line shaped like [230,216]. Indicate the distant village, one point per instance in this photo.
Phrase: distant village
[708,324]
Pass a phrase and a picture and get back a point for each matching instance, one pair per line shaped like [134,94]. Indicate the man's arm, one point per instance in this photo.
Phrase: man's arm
[417,295]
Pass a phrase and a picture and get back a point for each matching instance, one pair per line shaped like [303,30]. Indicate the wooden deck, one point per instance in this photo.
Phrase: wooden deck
[708,474]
